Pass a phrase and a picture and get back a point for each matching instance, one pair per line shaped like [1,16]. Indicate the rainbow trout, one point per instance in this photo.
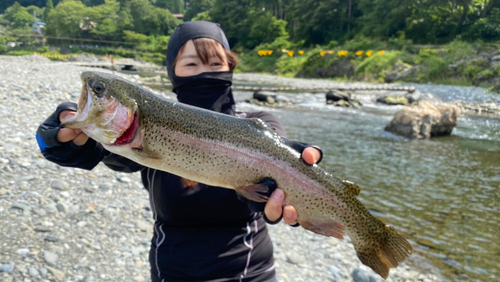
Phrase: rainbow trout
[231,152]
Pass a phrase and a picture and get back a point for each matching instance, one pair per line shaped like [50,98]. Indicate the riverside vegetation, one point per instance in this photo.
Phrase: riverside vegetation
[444,42]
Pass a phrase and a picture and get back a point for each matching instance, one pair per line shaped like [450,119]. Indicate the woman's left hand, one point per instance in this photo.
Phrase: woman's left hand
[274,208]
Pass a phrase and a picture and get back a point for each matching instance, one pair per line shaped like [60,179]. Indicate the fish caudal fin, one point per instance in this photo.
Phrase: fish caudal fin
[325,227]
[387,253]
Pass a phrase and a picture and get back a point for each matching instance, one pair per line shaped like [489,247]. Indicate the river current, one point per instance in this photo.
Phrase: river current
[442,194]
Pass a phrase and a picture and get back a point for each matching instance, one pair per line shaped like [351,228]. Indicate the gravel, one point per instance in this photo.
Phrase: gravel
[65,224]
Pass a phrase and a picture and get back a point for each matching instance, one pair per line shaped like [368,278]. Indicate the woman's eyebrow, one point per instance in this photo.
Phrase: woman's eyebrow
[188,57]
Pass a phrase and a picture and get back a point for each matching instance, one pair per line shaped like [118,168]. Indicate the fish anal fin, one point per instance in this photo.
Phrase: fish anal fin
[352,187]
[258,192]
[387,253]
[326,227]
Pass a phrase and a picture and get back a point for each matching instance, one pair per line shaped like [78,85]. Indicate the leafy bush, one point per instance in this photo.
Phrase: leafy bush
[375,66]
[290,66]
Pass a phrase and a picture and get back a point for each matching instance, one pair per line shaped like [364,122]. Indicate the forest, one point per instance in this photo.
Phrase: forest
[251,25]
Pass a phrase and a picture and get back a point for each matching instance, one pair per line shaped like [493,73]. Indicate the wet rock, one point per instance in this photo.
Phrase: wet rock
[425,120]
[398,72]
[265,96]
[393,100]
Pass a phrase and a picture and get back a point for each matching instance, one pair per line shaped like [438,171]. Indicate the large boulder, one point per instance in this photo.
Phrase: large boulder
[425,120]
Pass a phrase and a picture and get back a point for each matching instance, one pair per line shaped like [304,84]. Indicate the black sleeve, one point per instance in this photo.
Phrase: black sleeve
[119,163]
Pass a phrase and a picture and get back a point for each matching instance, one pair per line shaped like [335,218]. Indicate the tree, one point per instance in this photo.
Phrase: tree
[18,16]
[150,20]
[68,19]
[196,7]
[104,19]
[174,6]
[48,7]
[233,15]
[316,23]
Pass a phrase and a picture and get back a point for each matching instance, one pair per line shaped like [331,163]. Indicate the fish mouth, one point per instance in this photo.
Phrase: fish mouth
[129,135]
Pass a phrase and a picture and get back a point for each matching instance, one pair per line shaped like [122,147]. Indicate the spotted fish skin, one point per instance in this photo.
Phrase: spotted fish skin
[237,153]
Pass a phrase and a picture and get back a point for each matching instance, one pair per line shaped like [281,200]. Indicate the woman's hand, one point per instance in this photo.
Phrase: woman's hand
[68,134]
[274,208]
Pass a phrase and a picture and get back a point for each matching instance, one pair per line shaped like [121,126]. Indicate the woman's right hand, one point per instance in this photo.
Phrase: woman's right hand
[68,134]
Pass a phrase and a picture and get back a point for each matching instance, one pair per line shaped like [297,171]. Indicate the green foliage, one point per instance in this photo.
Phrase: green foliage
[433,67]
[205,16]
[18,16]
[3,49]
[69,19]
[43,49]
[374,67]
[290,66]
[252,62]
[49,6]
[265,29]
[196,7]
[174,6]
[361,42]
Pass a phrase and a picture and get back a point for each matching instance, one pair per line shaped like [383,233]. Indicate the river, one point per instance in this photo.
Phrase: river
[442,194]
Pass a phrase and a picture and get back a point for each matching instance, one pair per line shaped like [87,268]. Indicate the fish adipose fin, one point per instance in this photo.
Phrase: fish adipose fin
[389,251]
[325,227]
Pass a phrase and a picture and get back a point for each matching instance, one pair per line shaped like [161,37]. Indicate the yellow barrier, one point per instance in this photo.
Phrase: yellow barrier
[322,53]
[52,56]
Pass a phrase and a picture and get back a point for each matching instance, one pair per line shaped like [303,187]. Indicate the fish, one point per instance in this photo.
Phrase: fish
[234,153]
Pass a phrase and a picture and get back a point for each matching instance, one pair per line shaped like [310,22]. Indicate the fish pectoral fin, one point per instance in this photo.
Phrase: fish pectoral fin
[352,187]
[326,227]
[258,192]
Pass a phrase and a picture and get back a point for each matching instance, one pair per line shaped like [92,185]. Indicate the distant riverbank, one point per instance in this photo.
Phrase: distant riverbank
[456,63]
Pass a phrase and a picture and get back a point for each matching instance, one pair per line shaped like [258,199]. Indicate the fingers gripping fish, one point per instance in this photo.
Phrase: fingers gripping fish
[235,153]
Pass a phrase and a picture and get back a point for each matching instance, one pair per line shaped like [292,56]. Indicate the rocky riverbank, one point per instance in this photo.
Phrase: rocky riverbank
[64,224]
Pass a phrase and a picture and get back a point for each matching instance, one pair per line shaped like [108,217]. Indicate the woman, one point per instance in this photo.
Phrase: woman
[201,233]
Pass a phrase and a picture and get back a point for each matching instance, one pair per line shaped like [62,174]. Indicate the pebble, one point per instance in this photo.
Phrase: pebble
[33,272]
[361,275]
[7,267]
[59,185]
[50,258]
[99,220]
[22,252]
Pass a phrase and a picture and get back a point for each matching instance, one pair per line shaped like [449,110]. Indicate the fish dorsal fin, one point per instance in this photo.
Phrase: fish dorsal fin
[352,187]
[258,123]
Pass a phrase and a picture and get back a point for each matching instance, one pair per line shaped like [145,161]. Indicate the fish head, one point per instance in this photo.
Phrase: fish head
[106,113]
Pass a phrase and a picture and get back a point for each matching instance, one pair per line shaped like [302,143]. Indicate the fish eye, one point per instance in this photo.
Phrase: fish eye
[98,88]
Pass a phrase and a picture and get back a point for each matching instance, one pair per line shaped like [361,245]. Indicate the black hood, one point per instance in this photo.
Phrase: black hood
[191,30]
[208,90]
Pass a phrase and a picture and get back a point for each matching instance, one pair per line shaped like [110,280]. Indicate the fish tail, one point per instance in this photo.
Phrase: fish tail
[388,252]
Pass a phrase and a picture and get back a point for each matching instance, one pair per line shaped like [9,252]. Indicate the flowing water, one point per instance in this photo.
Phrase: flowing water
[443,194]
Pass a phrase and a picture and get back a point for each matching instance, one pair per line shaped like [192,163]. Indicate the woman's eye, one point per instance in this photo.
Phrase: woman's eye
[191,65]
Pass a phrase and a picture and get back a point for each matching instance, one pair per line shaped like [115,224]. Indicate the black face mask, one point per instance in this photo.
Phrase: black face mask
[208,90]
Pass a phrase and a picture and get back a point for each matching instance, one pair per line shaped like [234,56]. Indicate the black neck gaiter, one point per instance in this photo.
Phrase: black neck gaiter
[208,90]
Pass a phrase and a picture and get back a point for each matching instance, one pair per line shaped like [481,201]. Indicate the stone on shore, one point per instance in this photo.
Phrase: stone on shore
[425,120]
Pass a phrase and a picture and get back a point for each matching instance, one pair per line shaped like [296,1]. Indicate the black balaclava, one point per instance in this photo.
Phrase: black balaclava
[208,90]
